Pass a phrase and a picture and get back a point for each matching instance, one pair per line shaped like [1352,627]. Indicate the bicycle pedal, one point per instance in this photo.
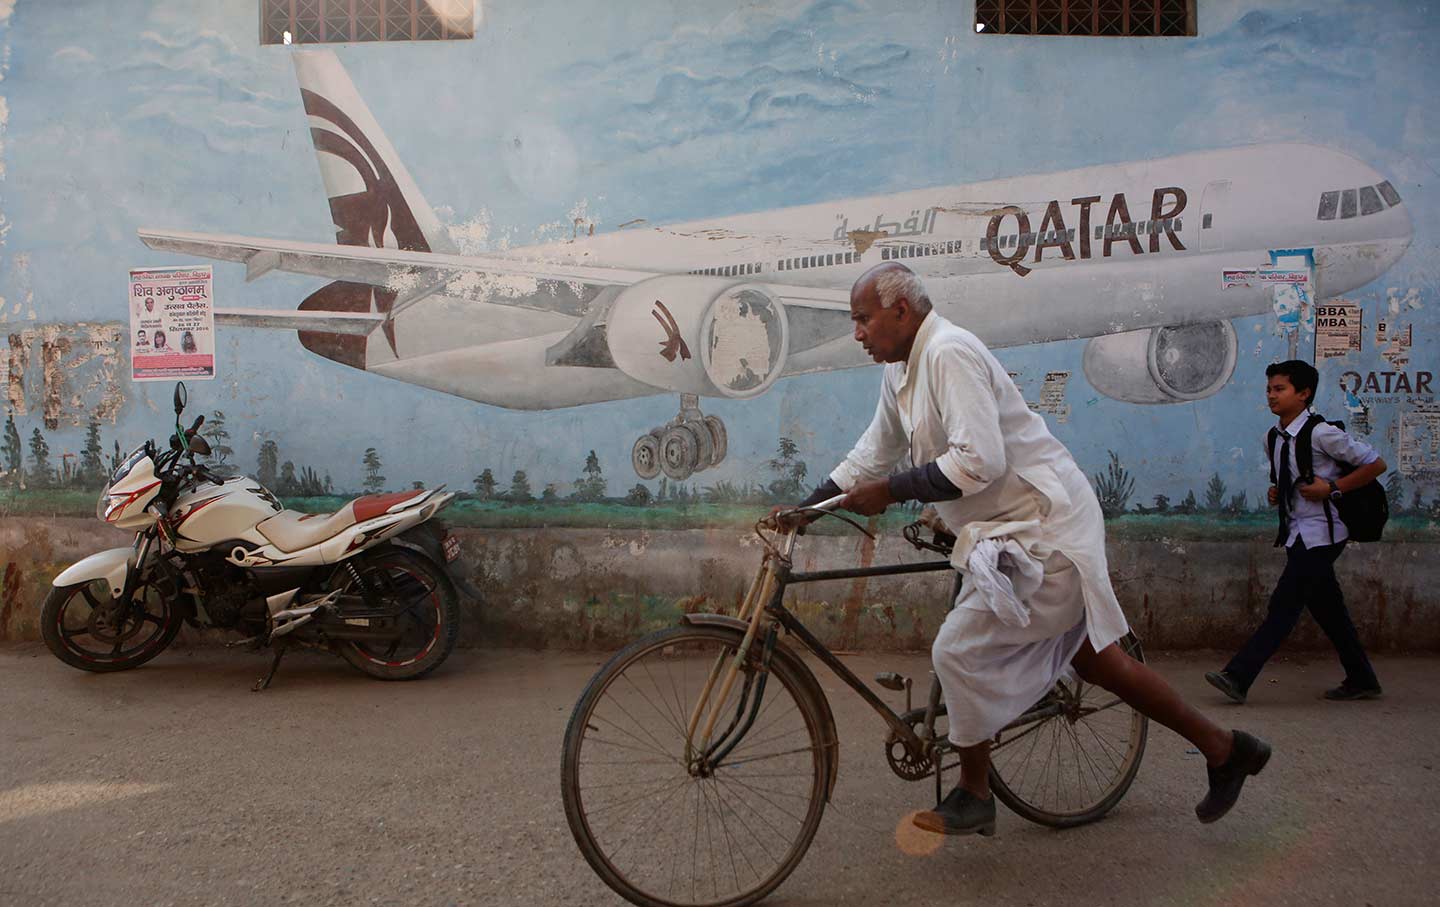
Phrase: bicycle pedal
[891,680]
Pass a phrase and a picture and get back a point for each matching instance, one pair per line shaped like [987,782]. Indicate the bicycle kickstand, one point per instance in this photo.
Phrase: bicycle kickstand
[264,682]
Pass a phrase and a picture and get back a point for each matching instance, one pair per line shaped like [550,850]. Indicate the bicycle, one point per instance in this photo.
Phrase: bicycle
[719,731]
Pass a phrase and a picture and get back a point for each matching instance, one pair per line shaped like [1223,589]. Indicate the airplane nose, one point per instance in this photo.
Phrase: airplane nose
[1396,247]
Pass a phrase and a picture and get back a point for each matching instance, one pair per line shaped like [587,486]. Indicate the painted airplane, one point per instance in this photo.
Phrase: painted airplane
[1150,259]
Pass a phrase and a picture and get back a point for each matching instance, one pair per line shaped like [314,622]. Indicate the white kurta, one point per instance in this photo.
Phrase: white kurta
[953,402]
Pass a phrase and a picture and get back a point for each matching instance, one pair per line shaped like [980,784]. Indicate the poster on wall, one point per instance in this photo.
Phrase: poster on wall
[1337,329]
[172,324]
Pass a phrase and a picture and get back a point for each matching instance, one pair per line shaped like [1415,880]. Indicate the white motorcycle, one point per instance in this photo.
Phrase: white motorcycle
[369,581]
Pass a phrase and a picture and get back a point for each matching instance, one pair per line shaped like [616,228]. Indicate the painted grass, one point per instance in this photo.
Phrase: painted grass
[43,502]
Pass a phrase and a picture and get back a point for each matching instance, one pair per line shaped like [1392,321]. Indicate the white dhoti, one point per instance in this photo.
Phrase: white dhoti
[992,670]
[952,403]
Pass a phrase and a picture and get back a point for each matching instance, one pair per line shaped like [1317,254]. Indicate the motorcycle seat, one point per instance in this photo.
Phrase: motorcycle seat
[291,530]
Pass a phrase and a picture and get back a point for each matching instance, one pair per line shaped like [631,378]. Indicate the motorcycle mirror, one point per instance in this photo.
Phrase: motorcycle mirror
[198,445]
[180,397]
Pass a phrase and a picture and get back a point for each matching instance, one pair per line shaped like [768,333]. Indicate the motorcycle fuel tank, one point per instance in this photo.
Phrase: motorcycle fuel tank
[212,513]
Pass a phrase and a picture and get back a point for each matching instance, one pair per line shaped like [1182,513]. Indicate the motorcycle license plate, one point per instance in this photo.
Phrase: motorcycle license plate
[451,547]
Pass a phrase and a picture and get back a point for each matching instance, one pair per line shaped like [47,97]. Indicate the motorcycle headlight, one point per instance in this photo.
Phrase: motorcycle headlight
[103,505]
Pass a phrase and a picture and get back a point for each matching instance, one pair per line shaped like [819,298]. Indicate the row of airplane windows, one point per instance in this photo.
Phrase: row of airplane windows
[1362,201]
[784,264]
[950,247]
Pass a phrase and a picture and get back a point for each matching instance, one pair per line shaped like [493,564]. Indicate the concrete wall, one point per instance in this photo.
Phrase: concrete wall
[598,588]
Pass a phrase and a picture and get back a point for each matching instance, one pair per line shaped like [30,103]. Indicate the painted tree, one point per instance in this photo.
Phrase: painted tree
[551,494]
[220,449]
[789,471]
[1114,487]
[1215,494]
[591,484]
[42,474]
[374,481]
[268,463]
[639,496]
[520,488]
[14,451]
[287,484]
[485,486]
[310,484]
[329,486]
[1189,505]
[1394,490]
[92,456]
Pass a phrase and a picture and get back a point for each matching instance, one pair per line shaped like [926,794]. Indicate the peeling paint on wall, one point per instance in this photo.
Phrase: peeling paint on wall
[80,372]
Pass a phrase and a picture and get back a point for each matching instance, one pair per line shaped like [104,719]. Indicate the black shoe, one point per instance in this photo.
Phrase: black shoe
[960,813]
[1248,756]
[1346,691]
[1226,683]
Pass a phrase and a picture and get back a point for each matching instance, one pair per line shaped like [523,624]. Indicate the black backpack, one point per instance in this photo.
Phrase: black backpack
[1363,510]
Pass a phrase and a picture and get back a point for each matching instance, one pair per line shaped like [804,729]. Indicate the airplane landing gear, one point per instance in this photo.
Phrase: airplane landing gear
[687,444]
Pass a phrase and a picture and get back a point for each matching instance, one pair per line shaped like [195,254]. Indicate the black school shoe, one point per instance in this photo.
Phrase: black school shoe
[1225,682]
[1345,691]
[1248,756]
[960,813]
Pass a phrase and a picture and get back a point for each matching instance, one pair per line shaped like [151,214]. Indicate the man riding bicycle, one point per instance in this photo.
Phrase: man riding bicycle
[1031,541]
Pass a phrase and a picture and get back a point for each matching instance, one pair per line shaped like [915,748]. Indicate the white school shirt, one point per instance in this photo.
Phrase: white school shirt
[954,403]
[1329,447]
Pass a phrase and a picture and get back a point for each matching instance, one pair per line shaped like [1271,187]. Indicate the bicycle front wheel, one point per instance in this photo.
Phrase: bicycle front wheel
[1074,764]
[660,826]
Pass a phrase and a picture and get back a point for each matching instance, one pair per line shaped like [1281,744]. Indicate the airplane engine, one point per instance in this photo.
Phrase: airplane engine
[1162,365]
[699,335]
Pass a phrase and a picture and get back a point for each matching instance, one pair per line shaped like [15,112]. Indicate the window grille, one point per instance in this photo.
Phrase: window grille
[1119,18]
[337,21]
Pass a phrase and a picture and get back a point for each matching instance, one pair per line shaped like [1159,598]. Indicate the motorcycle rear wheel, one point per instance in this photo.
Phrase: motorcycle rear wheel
[429,616]
[87,628]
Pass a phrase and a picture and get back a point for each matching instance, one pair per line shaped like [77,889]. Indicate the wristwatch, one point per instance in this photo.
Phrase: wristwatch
[1335,492]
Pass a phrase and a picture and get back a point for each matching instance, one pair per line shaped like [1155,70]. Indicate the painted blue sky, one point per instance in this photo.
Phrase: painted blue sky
[124,114]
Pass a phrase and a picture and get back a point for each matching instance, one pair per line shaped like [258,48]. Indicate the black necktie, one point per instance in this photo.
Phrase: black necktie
[1286,479]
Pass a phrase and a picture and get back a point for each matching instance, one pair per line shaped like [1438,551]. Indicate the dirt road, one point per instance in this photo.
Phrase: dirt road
[173,784]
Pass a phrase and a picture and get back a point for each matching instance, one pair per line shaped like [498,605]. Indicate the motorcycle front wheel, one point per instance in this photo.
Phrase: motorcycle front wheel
[87,628]
[426,615]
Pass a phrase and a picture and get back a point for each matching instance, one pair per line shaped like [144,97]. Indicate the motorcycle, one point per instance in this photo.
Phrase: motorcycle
[370,581]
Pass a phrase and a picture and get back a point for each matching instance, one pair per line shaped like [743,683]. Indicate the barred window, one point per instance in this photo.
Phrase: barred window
[338,21]
[1119,18]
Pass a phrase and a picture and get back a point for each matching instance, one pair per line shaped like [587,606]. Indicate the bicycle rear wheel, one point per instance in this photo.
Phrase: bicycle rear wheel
[1071,768]
[665,831]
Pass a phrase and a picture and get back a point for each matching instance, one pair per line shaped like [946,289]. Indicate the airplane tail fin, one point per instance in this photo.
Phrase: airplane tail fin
[373,200]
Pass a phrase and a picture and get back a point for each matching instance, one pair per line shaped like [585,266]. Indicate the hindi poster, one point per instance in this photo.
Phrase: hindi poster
[172,324]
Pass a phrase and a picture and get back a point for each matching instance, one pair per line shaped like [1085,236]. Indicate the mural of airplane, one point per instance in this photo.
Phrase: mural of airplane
[1140,257]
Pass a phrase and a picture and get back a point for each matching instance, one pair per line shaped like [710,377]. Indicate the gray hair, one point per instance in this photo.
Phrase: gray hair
[897,282]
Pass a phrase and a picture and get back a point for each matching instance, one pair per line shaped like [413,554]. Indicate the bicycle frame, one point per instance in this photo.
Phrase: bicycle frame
[769,588]
[766,597]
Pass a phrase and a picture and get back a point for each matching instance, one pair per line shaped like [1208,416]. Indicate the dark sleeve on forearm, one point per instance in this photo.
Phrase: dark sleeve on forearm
[827,490]
[926,484]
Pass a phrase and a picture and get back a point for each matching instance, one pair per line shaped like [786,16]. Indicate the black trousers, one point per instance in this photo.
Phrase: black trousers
[1308,582]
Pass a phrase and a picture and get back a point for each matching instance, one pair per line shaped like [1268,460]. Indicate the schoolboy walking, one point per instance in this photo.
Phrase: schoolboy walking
[1311,531]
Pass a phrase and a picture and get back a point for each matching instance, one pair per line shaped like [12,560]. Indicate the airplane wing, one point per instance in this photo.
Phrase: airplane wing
[377,267]
[414,274]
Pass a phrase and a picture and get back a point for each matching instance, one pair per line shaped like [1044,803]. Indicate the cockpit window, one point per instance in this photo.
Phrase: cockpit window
[1370,200]
[1392,198]
[1329,203]
[1348,207]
